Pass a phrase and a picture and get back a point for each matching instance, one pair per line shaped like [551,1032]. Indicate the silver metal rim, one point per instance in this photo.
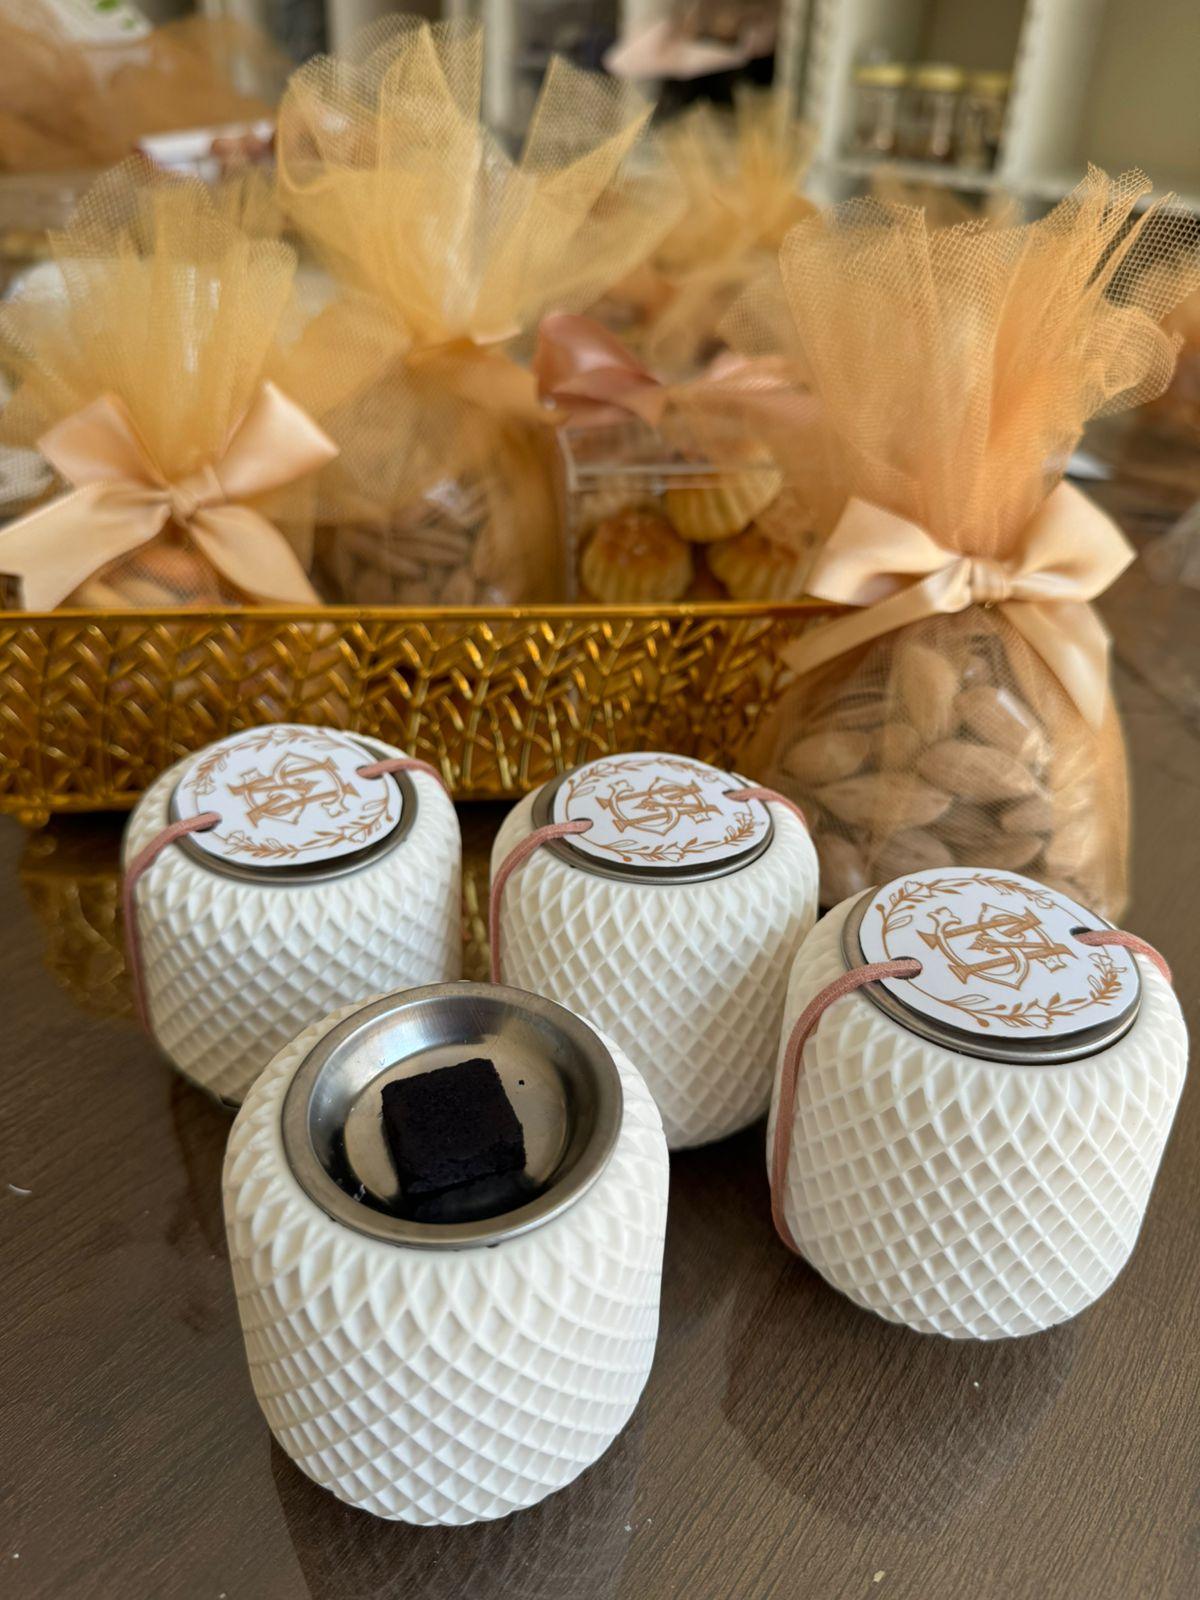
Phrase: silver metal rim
[302,873]
[339,1046]
[1015,1052]
[663,877]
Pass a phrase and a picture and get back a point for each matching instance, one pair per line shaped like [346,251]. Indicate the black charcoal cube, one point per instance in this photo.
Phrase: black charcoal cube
[451,1126]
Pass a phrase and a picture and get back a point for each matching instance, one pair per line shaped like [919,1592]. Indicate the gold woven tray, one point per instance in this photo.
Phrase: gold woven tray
[95,705]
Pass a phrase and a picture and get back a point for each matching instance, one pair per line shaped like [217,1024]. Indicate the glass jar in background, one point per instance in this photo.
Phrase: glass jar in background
[981,119]
[878,99]
[932,111]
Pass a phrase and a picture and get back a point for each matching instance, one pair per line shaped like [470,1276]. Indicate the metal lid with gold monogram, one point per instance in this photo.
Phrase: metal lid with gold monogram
[1003,975]
[293,804]
[655,818]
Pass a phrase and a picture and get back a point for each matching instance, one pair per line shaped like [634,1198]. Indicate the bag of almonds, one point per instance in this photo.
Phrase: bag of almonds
[960,712]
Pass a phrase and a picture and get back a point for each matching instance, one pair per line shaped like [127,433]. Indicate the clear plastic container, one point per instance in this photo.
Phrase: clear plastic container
[646,523]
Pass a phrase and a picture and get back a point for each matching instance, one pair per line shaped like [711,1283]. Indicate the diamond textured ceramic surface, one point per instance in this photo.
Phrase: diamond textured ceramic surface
[688,978]
[435,1386]
[234,969]
[967,1197]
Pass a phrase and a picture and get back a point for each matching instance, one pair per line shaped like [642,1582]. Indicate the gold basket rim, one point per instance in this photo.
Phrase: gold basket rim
[554,611]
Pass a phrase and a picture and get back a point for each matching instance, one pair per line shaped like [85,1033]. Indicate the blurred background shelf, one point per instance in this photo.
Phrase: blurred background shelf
[1116,82]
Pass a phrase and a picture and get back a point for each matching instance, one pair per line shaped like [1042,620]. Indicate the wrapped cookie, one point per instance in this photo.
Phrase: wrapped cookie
[961,712]
[684,471]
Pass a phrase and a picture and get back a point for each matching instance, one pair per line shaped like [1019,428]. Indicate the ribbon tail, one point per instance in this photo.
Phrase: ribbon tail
[590,376]
[1074,644]
[943,592]
[54,548]
[275,443]
[253,554]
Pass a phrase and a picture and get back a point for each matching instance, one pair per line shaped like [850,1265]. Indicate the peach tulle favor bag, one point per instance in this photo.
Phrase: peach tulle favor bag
[445,489]
[960,711]
[740,171]
[167,374]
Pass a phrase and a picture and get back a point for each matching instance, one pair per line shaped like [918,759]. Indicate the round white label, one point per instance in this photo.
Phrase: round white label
[287,796]
[656,812]
[998,955]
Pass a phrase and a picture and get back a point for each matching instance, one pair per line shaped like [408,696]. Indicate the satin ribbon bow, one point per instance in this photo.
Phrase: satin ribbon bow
[588,373]
[120,501]
[594,379]
[1068,554]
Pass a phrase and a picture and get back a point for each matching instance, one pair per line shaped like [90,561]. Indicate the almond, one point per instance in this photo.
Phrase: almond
[966,826]
[926,684]
[910,850]
[896,744]
[884,801]
[826,757]
[1010,851]
[976,771]
[1035,815]
[843,871]
[998,718]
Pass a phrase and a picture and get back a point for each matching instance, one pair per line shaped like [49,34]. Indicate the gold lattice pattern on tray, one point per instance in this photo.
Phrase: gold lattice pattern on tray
[95,705]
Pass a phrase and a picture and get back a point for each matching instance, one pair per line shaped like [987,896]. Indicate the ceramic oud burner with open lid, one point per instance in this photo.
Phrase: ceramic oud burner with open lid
[976,1083]
[276,875]
[445,1213]
[663,900]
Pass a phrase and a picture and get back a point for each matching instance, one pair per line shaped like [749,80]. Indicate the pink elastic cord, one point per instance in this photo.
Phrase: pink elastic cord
[1127,941]
[768,797]
[198,824]
[380,769]
[793,1055]
[146,858]
[793,1058]
[515,857]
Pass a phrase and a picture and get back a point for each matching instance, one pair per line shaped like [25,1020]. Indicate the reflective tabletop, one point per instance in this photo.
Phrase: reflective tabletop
[788,1446]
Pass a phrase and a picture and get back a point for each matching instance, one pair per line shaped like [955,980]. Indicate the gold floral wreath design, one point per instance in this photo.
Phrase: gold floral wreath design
[580,786]
[204,779]
[1104,981]
[356,831]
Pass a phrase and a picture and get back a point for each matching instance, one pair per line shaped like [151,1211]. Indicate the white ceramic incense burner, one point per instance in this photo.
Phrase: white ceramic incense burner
[973,1147]
[671,923]
[317,886]
[447,1371]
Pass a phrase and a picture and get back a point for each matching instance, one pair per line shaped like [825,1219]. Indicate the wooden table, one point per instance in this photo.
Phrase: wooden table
[788,1445]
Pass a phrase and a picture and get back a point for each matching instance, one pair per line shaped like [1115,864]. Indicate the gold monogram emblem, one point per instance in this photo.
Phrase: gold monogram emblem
[659,808]
[311,773]
[1005,943]
[293,784]
[1010,943]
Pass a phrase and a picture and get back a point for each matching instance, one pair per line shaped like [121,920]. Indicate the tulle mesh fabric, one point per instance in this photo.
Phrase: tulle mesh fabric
[954,371]
[164,299]
[64,105]
[444,490]
[740,172]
